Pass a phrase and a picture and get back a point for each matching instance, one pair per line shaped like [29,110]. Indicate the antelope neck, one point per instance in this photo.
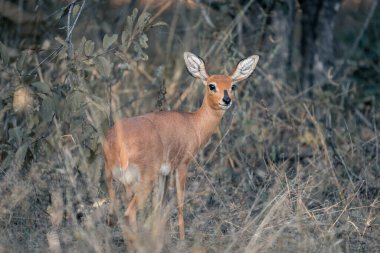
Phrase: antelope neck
[205,120]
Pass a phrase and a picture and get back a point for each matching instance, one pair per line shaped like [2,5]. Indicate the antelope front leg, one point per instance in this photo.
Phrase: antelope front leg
[180,184]
[110,216]
[130,214]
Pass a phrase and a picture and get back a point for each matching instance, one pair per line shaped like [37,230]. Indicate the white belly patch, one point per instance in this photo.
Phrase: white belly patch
[165,169]
[127,176]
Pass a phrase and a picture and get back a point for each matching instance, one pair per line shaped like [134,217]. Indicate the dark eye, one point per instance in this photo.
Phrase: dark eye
[212,87]
[233,87]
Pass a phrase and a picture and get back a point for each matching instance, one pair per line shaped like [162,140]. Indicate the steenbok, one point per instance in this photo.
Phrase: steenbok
[140,150]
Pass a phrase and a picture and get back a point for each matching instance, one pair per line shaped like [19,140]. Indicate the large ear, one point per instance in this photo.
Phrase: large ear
[195,65]
[245,68]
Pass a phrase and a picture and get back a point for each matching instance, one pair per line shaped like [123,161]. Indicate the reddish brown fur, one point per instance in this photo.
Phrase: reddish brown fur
[147,142]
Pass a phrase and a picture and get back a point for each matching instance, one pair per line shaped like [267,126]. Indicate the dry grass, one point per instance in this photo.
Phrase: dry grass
[286,172]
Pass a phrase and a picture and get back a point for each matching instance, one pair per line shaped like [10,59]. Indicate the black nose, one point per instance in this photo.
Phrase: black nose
[226,98]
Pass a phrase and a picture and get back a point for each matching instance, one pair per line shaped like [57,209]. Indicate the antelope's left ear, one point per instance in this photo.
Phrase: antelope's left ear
[245,68]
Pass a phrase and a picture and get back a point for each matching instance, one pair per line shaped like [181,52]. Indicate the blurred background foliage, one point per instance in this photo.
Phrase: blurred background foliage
[293,166]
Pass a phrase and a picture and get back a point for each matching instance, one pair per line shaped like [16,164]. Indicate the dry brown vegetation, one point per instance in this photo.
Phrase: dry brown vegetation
[292,168]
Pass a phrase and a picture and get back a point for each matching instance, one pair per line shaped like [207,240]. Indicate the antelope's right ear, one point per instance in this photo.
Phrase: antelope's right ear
[195,65]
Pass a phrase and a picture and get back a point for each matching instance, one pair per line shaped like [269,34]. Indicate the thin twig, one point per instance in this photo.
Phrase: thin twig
[229,30]
[70,28]
[50,56]
[357,40]
[76,18]
[70,47]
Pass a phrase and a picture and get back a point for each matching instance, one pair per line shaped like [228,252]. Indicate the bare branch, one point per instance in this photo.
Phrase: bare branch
[357,40]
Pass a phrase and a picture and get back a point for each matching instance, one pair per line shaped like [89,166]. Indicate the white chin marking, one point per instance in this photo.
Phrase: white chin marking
[224,107]
[165,169]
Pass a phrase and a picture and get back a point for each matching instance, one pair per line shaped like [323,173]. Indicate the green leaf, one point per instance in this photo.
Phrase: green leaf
[273,153]
[89,47]
[42,87]
[127,33]
[142,21]
[4,54]
[140,55]
[124,36]
[6,162]
[143,39]
[61,41]
[16,134]
[76,9]
[81,46]
[20,61]
[109,40]
[134,14]
[62,55]
[76,100]
[103,66]
[47,109]
[21,153]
